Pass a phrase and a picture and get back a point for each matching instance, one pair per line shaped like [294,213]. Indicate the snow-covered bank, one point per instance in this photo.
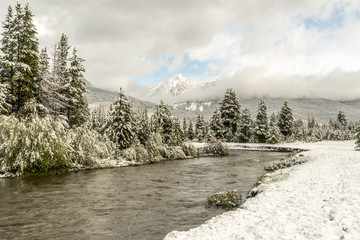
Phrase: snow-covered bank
[317,200]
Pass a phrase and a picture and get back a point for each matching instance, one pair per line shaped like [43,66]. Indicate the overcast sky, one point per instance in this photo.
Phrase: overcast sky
[260,47]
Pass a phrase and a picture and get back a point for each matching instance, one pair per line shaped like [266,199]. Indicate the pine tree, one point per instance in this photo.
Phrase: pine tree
[143,127]
[162,121]
[77,106]
[357,136]
[20,60]
[119,126]
[261,123]
[230,112]
[185,128]
[342,119]
[245,130]
[286,120]
[176,135]
[216,125]
[190,133]
[4,106]
[200,128]
[274,135]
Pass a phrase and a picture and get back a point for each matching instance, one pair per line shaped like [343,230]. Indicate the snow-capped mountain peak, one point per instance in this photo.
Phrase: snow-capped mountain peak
[174,86]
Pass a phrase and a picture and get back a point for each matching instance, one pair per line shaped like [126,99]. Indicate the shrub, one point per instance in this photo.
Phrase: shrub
[189,149]
[88,146]
[227,200]
[217,147]
[33,145]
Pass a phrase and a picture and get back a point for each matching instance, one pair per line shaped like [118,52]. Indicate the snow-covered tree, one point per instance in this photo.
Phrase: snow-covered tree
[286,120]
[230,112]
[216,125]
[200,128]
[177,136]
[274,135]
[261,124]
[4,106]
[191,133]
[119,126]
[342,119]
[143,127]
[20,57]
[77,105]
[245,130]
[357,137]
[185,128]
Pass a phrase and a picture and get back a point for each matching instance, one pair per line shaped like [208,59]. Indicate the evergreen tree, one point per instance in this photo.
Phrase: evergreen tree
[216,125]
[246,126]
[143,127]
[20,60]
[94,121]
[342,119]
[185,128]
[162,121]
[176,135]
[200,128]
[274,135]
[230,112]
[357,137]
[119,126]
[286,120]
[190,133]
[4,106]
[77,106]
[261,123]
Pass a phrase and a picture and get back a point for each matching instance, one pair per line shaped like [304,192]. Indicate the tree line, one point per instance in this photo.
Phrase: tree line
[231,124]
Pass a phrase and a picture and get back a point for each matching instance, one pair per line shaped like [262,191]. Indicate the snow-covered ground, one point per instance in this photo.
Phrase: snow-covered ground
[319,199]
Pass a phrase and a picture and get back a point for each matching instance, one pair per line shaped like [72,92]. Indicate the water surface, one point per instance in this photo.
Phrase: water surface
[143,202]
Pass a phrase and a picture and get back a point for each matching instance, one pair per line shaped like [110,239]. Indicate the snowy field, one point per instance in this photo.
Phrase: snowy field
[319,199]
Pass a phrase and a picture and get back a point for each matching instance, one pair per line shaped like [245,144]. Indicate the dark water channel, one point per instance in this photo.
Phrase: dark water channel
[143,202]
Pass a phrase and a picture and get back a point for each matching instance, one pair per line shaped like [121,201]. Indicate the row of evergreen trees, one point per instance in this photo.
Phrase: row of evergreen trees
[26,76]
[230,123]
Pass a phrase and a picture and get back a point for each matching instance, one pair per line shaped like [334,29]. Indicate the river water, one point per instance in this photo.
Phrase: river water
[133,203]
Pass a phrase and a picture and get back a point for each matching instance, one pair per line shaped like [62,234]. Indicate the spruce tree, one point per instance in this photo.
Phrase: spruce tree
[176,135]
[200,128]
[77,106]
[20,59]
[286,120]
[245,130]
[342,119]
[143,127]
[162,121]
[120,126]
[261,123]
[216,125]
[230,112]
[190,133]
[185,128]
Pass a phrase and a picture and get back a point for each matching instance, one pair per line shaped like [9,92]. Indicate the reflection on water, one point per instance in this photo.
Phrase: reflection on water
[143,202]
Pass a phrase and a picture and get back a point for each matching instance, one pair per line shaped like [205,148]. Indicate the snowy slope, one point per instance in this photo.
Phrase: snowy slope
[316,200]
[175,86]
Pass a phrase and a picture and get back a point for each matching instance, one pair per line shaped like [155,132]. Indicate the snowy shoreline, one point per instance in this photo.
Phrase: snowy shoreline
[316,200]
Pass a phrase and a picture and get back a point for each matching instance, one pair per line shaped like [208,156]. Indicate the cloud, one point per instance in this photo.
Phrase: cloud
[276,43]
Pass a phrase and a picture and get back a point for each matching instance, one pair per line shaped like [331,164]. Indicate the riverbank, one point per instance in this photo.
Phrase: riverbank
[315,200]
[135,157]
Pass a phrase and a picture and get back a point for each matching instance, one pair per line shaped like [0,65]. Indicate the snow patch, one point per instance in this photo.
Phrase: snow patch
[315,200]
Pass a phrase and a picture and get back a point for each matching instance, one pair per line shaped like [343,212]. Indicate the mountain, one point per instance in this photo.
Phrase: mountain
[99,97]
[323,109]
[173,86]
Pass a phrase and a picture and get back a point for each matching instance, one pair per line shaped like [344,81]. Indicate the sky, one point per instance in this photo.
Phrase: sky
[278,48]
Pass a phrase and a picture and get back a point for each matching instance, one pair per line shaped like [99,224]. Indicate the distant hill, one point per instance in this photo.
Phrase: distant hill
[323,109]
[97,96]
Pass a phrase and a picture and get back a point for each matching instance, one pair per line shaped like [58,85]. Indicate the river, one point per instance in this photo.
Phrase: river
[132,203]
